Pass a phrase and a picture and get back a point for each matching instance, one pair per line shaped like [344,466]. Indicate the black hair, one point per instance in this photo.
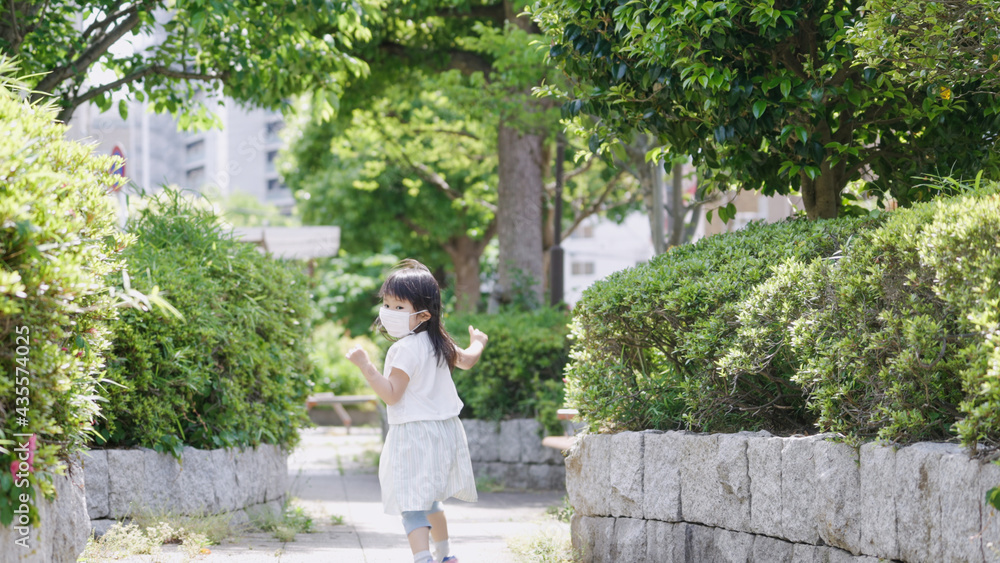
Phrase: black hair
[412,281]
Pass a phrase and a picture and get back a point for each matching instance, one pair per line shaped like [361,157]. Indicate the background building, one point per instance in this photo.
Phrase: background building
[239,157]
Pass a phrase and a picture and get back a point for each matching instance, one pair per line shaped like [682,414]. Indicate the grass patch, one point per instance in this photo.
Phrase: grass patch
[487,484]
[549,545]
[292,520]
[125,539]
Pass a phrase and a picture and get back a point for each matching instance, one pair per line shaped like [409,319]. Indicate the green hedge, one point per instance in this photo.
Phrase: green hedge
[520,374]
[235,370]
[871,327]
[58,242]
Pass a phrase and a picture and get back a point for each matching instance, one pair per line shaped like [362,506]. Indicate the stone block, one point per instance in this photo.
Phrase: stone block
[732,547]
[588,475]
[195,484]
[771,550]
[101,526]
[276,461]
[227,493]
[918,500]
[510,441]
[699,544]
[625,469]
[877,520]
[664,541]
[532,450]
[95,472]
[700,498]
[239,520]
[484,440]
[66,526]
[592,538]
[546,477]
[662,459]
[162,492]
[805,553]
[250,477]
[961,504]
[989,518]
[732,474]
[834,555]
[838,494]
[629,540]
[515,476]
[126,481]
[764,467]
[798,491]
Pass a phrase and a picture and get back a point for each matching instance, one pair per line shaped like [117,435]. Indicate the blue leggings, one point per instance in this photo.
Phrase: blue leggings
[418,518]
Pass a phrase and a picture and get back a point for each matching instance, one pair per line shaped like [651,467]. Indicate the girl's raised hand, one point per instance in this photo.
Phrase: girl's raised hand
[476,335]
[358,356]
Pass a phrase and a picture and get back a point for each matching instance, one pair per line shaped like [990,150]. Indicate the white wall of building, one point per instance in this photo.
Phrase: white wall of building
[599,247]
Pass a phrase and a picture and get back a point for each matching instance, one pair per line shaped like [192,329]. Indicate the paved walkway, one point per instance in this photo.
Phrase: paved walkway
[333,474]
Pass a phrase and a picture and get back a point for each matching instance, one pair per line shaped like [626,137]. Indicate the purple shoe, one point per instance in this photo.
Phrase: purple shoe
[450,559]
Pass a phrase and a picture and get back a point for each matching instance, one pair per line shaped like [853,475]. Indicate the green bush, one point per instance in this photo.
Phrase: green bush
[648,341]
[333,372]
[58,243]
[521,370]
[235,370]
[881,327]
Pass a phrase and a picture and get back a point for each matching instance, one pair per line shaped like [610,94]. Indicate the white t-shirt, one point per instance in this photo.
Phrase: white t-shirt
[431,393]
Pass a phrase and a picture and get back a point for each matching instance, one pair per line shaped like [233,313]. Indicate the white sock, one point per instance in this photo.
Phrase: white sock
[423,557]
[442,549]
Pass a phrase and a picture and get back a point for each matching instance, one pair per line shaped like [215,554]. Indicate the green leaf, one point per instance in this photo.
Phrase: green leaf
[993,497]
[758,108]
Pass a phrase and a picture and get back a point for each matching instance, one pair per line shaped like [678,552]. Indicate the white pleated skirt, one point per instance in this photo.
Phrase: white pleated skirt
[423,462]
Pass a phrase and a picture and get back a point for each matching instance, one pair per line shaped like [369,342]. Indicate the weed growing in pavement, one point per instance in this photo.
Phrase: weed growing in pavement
[549,545]
[563,512]
[337,520]
[292,520]
[125,539]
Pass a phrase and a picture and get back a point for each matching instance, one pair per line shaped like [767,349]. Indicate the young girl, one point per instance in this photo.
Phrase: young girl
[425,459]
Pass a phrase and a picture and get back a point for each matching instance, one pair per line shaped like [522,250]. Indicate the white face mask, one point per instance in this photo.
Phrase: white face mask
[397,323]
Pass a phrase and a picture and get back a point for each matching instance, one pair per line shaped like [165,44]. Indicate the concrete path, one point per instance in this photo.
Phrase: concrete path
[333,476]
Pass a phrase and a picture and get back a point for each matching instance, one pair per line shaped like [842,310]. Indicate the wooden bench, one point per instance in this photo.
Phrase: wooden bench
[338,402]
[565,441]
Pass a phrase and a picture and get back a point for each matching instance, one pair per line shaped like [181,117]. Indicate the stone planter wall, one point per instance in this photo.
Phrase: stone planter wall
[64,529]
[670,497]
[512,453]
[125,482]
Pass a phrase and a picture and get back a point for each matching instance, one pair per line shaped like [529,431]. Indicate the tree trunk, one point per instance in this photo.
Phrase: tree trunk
[465,254]
[821,197]
[519,214]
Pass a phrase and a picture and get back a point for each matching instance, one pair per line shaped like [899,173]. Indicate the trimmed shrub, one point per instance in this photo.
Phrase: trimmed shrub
[520,373]
[889,333]
[867,348]
[59,242]
[235,370]
[648,341]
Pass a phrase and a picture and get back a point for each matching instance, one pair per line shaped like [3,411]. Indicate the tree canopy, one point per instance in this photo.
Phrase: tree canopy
[932,42]
[769,95]
[259,53]
[411,172]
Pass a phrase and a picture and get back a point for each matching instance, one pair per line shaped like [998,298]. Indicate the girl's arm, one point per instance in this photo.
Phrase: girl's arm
[469,356]
[389,389]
